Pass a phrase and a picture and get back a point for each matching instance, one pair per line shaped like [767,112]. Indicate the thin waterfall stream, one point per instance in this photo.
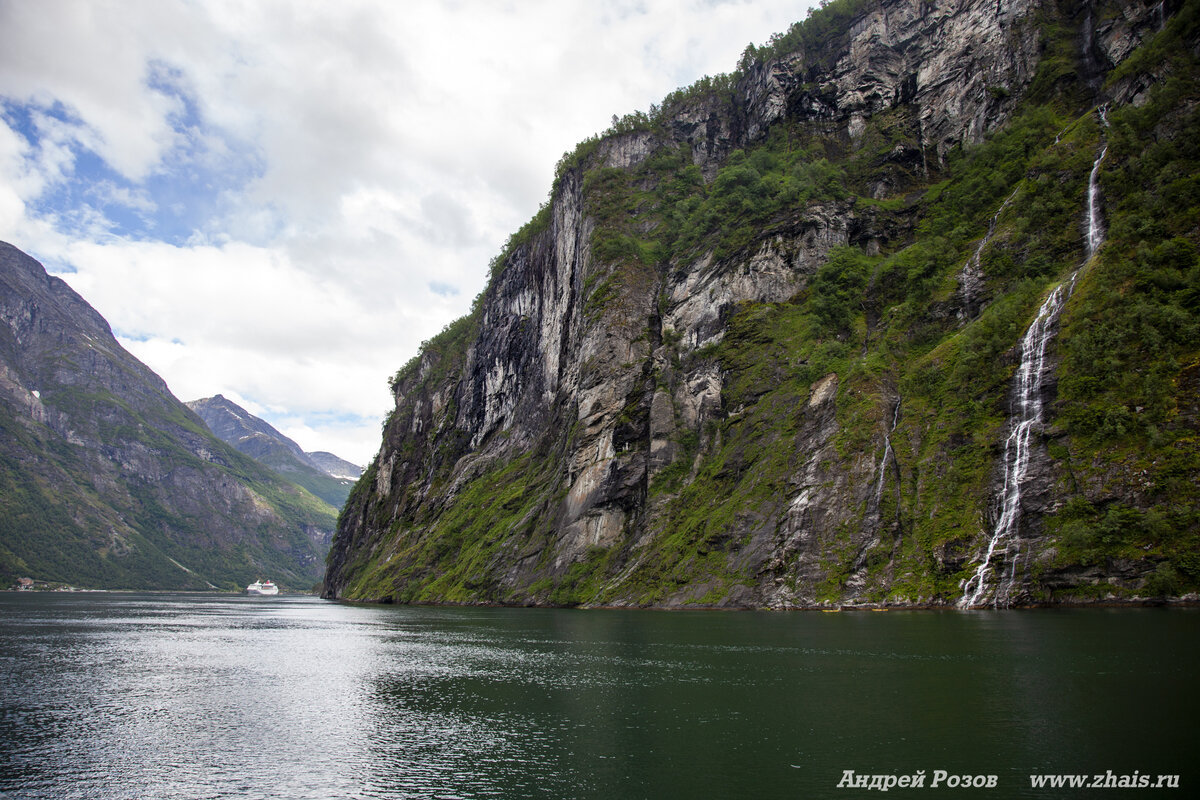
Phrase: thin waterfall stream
[887,454]
[1027,410]
[970,279]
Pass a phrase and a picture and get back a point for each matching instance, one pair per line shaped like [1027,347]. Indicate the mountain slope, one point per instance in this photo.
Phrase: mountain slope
[335,466]
[767,344]
[108,481]
[256,438]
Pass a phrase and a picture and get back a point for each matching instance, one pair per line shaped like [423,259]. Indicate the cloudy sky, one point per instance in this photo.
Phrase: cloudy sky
[278,200]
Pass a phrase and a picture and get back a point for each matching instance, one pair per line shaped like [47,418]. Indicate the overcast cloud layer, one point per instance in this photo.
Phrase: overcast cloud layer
[278,201]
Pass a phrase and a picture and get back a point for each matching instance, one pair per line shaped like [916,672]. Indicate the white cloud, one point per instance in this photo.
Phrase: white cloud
[345,171]
[93,57]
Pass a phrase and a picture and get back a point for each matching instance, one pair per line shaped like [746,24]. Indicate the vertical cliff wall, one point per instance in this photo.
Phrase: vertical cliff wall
[758,348]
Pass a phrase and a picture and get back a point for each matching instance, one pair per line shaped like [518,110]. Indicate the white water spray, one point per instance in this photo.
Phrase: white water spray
[970,277]
[1028,414]
[1095,228]
[887,454]
[1027,394]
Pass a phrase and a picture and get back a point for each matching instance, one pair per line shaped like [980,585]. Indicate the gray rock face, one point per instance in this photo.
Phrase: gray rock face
[234,425]
[777,270]
[108,480]
[958,65]
[600,371]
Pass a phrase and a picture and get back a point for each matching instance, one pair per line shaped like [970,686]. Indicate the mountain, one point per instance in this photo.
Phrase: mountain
[904,311]
[323,474]
[334,466]
[108,481]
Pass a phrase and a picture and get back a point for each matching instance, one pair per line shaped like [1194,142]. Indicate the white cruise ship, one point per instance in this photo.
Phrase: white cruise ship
[262,587]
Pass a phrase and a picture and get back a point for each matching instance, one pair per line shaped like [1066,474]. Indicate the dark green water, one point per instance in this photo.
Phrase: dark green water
[172,696]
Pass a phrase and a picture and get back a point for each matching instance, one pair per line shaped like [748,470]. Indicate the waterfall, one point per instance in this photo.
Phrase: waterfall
[991,229]
[1095,228]
[971,275]
[887,453]
[1027,408]
[1027,394]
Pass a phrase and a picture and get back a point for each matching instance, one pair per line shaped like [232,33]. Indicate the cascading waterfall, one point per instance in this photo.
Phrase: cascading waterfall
[987,237]
[1095,228]
[1027,393]
[887,454]
[971,276]
[1028,401]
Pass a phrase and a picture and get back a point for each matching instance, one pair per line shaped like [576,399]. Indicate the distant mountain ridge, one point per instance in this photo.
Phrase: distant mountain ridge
[335,466]
[324,474]
[108,481]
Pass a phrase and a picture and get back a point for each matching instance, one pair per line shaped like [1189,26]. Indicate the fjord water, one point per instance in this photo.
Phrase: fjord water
[210,696]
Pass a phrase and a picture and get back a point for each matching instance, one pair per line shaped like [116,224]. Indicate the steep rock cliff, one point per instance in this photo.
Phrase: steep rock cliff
[758,348]
[108,481]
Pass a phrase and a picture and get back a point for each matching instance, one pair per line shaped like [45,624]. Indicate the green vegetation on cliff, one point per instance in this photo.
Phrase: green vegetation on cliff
[856,452]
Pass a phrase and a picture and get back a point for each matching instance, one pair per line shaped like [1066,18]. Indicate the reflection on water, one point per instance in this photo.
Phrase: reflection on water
[140,696]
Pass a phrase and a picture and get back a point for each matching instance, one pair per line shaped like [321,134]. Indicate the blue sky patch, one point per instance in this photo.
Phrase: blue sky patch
[189,190]
[443,289]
